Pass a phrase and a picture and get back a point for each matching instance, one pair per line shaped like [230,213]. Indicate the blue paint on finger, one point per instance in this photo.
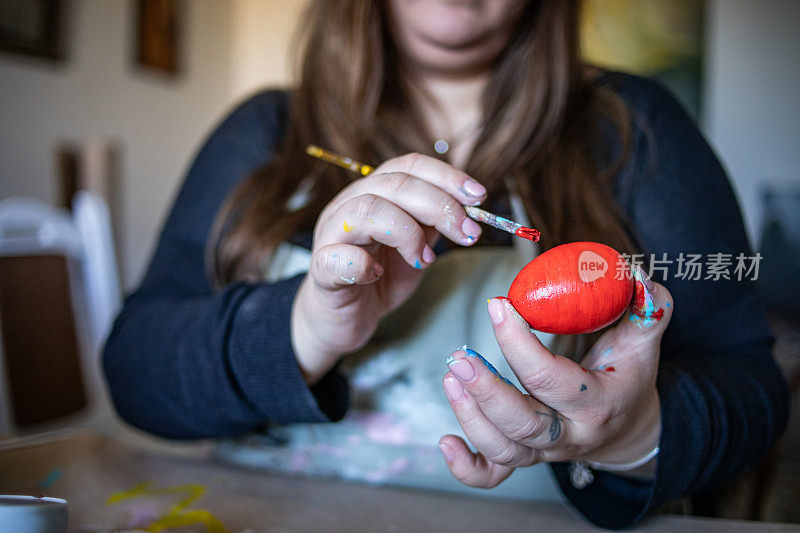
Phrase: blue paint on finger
[492,369]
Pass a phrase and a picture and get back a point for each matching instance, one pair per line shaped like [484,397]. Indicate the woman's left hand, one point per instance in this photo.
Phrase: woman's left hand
[605,409]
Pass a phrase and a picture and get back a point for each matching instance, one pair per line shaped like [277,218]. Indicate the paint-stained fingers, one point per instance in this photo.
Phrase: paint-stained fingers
[652,305]
[470,468]
[520,417]
[448,178]
[552,379]
[429,204]
[341,265]
[482,433]
[369,219]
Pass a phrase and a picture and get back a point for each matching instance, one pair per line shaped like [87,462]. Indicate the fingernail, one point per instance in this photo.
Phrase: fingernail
[463,369]
[473,188]
[446,451]
[453,388]
[512,312]
[471,229]
[496,311]
[377,269]
[641,275]
[643,311]
[427,255]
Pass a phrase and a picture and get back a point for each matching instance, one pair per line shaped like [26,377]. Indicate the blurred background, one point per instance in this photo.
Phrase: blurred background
[115,98]
[734,63]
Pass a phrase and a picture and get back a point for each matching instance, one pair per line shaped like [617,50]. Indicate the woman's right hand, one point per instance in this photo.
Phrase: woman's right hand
[372,243]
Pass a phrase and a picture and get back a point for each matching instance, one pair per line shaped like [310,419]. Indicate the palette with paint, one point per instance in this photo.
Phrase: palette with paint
[574,288]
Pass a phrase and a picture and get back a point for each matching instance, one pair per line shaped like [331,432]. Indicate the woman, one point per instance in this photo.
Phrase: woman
[311,264]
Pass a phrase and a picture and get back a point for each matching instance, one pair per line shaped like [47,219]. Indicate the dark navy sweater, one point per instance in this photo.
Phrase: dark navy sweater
[185,361]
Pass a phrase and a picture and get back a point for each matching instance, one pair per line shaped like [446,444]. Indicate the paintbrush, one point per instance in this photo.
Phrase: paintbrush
[474,213]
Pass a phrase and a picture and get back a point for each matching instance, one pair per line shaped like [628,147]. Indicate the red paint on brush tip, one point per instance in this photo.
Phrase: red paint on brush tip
[528,233]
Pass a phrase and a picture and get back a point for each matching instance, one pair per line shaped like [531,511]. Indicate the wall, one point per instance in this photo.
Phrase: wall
[97,92]
[752,95]
[262,44]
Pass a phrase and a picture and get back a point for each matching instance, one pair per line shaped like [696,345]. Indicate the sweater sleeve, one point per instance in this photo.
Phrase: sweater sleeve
[723,399]
[183,361]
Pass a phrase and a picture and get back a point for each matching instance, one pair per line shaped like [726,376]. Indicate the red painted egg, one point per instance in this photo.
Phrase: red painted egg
[574,288]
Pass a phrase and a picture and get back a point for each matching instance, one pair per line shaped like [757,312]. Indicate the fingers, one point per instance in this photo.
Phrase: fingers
[369,219]
[484,435]
[520,417]
[426,202]
[340,265]
[448,178]
[396,206]
[554,380]
[470,468]
[634,344]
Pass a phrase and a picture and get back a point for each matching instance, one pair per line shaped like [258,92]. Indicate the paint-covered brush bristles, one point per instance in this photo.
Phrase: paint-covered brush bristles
[502,223]
[473,212]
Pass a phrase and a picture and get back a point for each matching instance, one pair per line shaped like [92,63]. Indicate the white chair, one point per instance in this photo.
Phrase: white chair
[38,240]
[100,277]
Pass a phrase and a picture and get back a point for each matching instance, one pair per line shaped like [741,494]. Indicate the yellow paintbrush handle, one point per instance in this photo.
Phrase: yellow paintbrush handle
[336,159]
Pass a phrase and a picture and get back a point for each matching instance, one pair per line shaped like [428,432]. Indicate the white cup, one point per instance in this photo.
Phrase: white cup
[29,514]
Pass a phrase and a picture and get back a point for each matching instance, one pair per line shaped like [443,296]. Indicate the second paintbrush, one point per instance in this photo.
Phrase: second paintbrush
[502,223]
[473,212]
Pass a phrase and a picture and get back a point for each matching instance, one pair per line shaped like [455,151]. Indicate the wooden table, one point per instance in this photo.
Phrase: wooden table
[87,468]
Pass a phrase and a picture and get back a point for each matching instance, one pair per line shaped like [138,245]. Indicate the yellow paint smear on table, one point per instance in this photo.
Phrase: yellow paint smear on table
[178,515]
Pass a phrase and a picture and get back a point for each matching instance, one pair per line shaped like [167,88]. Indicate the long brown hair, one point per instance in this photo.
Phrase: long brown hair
[542,116]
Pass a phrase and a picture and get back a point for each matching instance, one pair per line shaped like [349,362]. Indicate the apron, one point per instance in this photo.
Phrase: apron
[398,408]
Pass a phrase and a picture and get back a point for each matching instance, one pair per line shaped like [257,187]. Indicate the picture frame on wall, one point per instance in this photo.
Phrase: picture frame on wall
[32,28]
[158,35]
